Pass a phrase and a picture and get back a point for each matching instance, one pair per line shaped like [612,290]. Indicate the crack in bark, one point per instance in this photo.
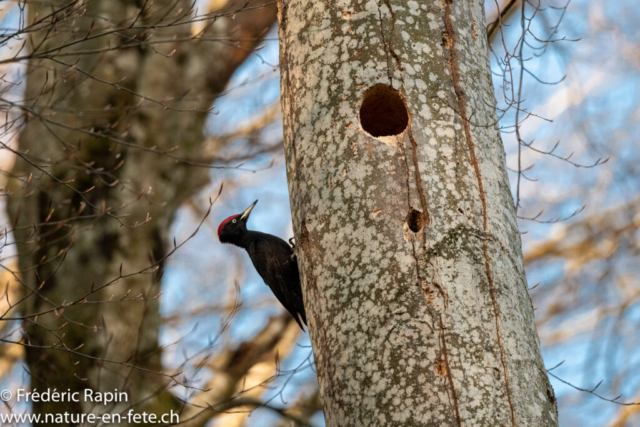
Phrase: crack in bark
[449,377]
[393,27]
[406,167]
[387,46]
[423,198]
[462,107]
[423,201]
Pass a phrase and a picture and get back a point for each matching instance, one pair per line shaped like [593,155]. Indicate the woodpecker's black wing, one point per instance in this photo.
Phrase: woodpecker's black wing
[273,259]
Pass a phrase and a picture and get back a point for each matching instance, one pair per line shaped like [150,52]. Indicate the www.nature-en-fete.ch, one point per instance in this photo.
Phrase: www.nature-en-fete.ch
[74,418]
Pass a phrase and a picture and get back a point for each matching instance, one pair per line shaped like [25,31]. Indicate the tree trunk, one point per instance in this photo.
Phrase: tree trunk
[90,127]
[408,245]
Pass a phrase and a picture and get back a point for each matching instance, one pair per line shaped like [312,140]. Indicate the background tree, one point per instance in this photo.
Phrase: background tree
[96,156]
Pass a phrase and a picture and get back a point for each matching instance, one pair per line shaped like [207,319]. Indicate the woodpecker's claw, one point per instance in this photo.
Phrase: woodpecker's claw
[293,246]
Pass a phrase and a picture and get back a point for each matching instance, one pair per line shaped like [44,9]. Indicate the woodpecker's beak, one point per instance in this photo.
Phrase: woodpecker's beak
[245,214]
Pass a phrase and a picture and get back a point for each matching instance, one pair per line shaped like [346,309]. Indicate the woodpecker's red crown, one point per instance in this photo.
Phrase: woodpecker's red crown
[223,223]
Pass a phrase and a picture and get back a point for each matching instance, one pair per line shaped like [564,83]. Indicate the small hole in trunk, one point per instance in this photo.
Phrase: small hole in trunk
[415,220]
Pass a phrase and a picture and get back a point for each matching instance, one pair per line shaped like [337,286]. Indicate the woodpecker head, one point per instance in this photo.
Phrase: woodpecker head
[232,229]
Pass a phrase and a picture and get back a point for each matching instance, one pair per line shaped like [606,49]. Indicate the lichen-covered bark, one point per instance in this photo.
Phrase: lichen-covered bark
[98,249]
[426,327]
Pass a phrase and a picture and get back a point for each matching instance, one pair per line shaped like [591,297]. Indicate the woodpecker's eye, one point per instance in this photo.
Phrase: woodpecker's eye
[234,221]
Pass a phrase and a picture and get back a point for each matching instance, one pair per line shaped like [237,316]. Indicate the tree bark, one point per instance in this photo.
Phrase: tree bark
[408,245]
[80,109]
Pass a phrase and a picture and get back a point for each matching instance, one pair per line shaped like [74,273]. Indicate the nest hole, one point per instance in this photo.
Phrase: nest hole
[383,112]
[415,220]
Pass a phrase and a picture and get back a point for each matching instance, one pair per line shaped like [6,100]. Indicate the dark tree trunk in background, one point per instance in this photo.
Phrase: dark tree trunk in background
[408,245]
[75,119]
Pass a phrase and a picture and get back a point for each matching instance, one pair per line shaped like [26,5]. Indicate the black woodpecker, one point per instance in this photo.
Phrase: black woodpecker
[272,257]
